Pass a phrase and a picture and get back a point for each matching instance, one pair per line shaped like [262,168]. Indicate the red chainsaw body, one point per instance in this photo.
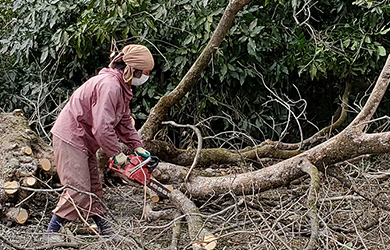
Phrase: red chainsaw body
[133,171]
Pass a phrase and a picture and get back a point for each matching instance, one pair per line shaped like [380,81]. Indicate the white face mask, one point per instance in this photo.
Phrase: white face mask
[139,81]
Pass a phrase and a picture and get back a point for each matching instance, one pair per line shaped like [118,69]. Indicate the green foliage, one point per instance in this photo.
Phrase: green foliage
[272,45]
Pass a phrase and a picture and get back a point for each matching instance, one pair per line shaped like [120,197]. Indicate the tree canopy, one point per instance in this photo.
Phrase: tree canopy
[280,61]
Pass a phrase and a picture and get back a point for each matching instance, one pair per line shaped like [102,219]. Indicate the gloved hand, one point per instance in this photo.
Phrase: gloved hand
[142,152]
[120,159]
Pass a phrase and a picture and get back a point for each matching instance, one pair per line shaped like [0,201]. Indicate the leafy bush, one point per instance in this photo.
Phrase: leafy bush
[276,55]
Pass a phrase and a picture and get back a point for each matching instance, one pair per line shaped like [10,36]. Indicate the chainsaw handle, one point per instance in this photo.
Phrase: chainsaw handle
[153,163]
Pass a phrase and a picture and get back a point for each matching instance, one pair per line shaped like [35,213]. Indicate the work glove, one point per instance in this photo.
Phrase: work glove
[120,159]
[142,152]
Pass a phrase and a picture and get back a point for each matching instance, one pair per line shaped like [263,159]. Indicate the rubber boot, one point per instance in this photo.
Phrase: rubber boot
[54,227]
[103,224]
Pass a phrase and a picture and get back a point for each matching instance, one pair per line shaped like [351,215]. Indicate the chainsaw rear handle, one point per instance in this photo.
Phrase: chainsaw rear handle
[153,163]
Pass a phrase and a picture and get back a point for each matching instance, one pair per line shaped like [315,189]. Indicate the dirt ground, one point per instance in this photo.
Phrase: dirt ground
[276,219]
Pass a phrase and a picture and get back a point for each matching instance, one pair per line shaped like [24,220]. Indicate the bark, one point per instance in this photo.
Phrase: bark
[15,137]
[345,146]
[18,215]
[324,133]
[196,229]
[312,203]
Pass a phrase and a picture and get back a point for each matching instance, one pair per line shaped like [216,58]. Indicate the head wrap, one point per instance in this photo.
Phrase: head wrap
[135,56]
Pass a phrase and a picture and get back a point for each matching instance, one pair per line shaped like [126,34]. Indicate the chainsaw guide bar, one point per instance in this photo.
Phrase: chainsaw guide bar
[140,171]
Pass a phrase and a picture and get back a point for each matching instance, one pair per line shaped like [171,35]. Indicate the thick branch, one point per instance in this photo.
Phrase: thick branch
[375,97]
[196,229]
[320,134]
[312,202]
[338,122]
[168,152]
[248,183]
[339,148]
[159,112]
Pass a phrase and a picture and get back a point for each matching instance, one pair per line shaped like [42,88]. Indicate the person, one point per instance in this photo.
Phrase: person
[96,116]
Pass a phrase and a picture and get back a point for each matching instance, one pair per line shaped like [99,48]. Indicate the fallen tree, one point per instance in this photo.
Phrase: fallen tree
[22,148]
[352,142]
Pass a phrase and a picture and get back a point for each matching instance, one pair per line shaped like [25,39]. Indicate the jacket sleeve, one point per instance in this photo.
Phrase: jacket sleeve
[104,116]
[127,132]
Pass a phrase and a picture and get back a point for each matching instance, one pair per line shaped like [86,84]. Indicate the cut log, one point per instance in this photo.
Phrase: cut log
[27,150]
[29,181]
[11,187]
[17,214]
[45,165]
[170,188]
[152,195]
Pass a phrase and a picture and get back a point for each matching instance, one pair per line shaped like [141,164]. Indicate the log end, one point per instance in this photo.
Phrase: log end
[45,165]
[11,187]
[27,150]
[155,198]
[29,181]
[209,242]
[19,215]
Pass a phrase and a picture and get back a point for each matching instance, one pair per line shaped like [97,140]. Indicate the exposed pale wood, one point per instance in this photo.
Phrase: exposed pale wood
[45,165]
[17,112]
[170,188]
[211,245]
[209,242]
[27,150]
[11,187]
[29,181]
[19,215]
[152,195]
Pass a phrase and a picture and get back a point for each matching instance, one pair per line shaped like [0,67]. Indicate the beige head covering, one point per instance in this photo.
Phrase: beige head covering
[135,56]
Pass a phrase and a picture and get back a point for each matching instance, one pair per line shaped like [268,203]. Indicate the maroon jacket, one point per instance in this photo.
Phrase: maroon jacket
[98,114]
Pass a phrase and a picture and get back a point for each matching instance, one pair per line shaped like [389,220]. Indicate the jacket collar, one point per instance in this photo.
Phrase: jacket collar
[118,74]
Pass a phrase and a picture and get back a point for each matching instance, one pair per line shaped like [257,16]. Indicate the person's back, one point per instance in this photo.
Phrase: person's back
[83,113]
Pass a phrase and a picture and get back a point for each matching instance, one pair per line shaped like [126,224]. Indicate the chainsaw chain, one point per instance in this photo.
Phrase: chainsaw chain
[159,188]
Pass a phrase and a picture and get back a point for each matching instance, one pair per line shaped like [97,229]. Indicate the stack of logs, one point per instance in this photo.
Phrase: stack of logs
[25,166]
[18,192]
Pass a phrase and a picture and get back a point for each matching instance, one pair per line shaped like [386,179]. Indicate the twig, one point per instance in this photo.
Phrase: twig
[63,188]
[199,149]
[336,173]
[49,246]
[344,197]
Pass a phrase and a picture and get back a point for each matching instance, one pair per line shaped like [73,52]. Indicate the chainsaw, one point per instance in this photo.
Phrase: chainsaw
[138,170]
